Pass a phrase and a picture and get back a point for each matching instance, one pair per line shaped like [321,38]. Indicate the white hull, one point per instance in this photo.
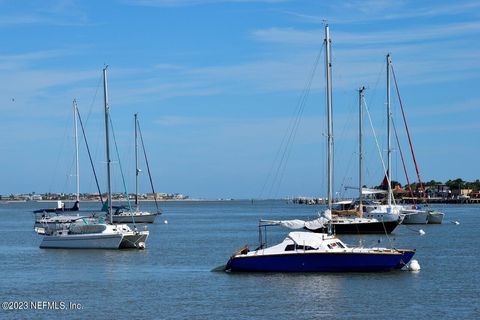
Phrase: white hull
[415,217]
[82,241]
[435,217]
[383,213]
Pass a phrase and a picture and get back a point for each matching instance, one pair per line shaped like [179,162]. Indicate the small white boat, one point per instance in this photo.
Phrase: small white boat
[414,216]
[123,214]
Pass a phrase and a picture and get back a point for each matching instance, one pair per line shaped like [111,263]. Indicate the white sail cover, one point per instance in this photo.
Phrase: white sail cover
[317,223]
[291,224]
[299,224]
[367,191]
[313,240]
[327,214]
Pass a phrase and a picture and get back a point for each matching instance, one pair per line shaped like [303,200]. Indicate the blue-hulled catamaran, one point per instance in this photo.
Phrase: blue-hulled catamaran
[315,252]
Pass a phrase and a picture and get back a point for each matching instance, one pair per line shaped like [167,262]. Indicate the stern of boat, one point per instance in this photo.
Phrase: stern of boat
[134,240]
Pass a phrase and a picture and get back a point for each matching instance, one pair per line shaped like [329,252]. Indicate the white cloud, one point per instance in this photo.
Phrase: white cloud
[55,12]
[353,12]
[403,35]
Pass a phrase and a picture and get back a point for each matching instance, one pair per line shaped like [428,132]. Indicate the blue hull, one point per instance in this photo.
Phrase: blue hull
[321,262]
[407,255]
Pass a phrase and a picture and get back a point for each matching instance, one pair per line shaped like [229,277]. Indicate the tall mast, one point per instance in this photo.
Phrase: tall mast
[137,170]
[360,149]
[107,142]
[328,67]
[77,167]
[389,147]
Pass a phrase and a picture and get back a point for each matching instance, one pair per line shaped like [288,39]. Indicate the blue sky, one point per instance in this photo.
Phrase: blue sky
[215,83]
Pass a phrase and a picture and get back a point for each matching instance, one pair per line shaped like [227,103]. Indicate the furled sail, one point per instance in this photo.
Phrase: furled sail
[299,224]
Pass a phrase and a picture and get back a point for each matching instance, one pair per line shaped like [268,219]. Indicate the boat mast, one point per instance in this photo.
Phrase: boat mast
[389,148]
[328,68]
[77,167]
[137,170]
[360,149]
[107,142]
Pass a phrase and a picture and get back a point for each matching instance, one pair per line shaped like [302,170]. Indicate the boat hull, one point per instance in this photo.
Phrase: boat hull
[435,217]
[134,240]
[416,217]
[321,262]
[82,241]
[359,228]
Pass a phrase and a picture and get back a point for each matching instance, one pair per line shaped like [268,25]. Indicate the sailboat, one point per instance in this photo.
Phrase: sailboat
[414,214]
[390,208]
[84,234]
[379,220]
[351,221]
[50,219]
[124,214]
[304,251]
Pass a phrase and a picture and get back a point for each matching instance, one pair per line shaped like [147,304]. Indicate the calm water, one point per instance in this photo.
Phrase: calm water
[171,279]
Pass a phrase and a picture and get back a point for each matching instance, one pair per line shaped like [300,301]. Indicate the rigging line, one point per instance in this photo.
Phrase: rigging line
[341,190]
[408,132]
[388,180]
[120,165]
[287,152]
[403,161]
[292,127]
[371,99]
[341,154]
[87,120]
[294,123]
[380,73]
[90,156]
[283,143]
[62,146]
[94,98]
[378,146]
[148,168]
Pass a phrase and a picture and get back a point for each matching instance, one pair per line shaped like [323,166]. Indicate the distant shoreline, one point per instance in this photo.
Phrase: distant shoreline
[125,200]
[212,200]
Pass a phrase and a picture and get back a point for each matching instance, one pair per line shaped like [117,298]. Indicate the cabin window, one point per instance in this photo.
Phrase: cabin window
[334,245]
[291,247]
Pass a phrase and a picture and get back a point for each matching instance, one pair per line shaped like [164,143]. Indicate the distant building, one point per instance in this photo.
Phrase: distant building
[438,191]
[36,197]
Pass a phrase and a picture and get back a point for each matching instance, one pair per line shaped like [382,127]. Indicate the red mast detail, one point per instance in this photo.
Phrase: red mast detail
[408,133]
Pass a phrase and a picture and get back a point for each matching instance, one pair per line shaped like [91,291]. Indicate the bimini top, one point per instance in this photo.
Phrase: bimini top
[313,240]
